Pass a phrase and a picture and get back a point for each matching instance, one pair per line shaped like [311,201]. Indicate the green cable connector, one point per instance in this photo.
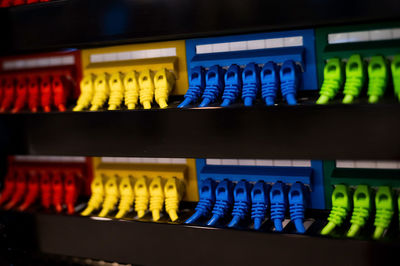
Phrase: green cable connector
[384,210]
[378,78]
[396,75]
[355,77]
[362,206]
[340,207]
[333,80]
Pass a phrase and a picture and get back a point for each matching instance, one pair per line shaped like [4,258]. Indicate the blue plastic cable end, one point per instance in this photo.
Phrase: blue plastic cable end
[291,99]
[235,221]
[251,82]
[248,101]
[269,82]
[214,85]
[278,197]
[206,202]
[241,195]
[187,101]
[298,194]
[260,202]
[290,79]
[269,101]
[205,102]
[233,85]
[226,103]
[197,84]
[223,201]
[197,215]
[214,220]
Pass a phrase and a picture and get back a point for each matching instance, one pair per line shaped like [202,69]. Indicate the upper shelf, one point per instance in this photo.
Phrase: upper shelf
[87,23]
[336,131]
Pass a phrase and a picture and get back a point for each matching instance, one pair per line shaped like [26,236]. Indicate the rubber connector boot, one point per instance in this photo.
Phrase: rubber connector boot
[251,83]
[223,201]
[362,203]
[127,197]
[233,85]
[269,82]
[164,82]
[197,83]
[241,206]
[20,190]
[117,91]
[60,92]
[378,78]
[71,186]
[32,194]
[260,202]
[279,203]
[156,197]
[396,76]
[290,80]
[206,202]
[214,85]
[141,196]
[132,89]
[87,93]
[101,92]
[298,198]
[174,190]
[46,93]
[97,197]
[8,95]
[333,80]
[146,85]
[33,94]
[340,207]
[57,187]
[9,186]
[384,205]
[21,95]
[111,196]
[355,78]
[45,189]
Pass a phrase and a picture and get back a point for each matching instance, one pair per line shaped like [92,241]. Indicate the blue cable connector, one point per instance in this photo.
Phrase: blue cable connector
[269,82]
[197,84]
[223,201]
[207,200]
[214,85]
[260,201]
[233,85]
[241,207]
[278,196]
[297,204]
[251,83]
[290,79]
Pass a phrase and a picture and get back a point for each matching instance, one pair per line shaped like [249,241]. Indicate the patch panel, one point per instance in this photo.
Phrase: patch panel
[142,184]
[358,62]
[55,182]
[366,192]
[248,66]
[132,75]
[231,194]
[42,81]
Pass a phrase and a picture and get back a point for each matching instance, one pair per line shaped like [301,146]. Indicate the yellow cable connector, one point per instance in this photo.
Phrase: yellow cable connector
[164,82]
[141,196]
[127,197]
[111,196]
[117,91]
[173,190]
[97,197]
[131,89]
[101,92]
[156,197]
[146,85]
[87,91]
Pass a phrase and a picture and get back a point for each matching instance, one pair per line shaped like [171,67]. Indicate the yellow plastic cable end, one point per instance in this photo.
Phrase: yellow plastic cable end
[111,196]
[87,89]
[173,190]
[117,91]
[127,197]
[146,85]
[164,82]
[131,89]
[141,196]
[97,197]
[156,197]
[101,92]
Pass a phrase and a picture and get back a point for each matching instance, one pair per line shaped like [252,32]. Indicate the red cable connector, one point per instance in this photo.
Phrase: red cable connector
[71,190]
[9,186]
[21,94]
[45,189]
[33,191]
[19,2]
[8,95]
[20,190]
[59,93]
[33,92]
[6,3]
[58,191]
[45,93]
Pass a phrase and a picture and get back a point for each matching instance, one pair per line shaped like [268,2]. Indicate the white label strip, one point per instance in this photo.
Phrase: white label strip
[132,55]
[368,164]
[296,163]
[364,36]
[19,64]
[143,160]
[62,159]
[249,45]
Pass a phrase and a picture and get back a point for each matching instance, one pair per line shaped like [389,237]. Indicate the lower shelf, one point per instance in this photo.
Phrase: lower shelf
[149,243]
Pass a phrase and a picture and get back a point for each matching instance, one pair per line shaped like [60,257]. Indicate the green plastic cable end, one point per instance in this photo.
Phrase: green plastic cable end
[362,206]
[348,99]
[384,210]
[333,80]
[355,77]
[323,99]
[396,75]
[378,78]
